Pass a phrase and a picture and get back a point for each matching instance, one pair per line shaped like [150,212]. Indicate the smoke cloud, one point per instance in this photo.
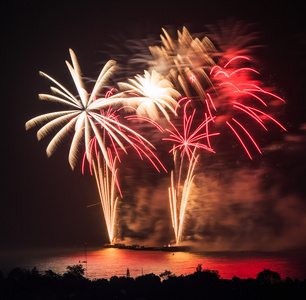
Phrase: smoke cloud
[229,209]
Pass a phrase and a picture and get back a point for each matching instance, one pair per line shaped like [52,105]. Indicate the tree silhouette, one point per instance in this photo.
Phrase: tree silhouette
[75,271]
[268,277]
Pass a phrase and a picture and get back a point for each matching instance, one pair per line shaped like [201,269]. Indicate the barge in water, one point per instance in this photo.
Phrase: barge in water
[167,248]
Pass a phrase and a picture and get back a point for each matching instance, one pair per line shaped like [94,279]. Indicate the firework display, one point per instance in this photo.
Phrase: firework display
[191,91]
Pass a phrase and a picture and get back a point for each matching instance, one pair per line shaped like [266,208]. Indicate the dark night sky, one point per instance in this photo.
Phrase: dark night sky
[43,203]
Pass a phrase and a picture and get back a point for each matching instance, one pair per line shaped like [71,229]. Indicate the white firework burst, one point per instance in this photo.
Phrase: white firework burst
[84,118]
[150,94]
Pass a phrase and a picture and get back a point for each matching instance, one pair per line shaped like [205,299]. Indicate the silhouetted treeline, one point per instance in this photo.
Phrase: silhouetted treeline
[203,284]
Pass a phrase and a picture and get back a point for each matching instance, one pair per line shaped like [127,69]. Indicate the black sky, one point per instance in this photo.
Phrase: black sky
[43,203]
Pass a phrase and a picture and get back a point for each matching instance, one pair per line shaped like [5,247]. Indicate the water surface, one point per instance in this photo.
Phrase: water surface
[105,263]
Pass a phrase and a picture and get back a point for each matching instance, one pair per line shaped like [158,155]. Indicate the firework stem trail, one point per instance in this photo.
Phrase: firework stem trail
[186,144]
[179,194]
[106,181]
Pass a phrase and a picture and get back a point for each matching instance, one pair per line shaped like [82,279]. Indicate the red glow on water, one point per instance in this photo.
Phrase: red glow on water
[106,263]
[242,265]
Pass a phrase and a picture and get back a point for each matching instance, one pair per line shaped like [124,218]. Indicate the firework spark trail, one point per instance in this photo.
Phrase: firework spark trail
[178,203]
[236,87]
[186,143]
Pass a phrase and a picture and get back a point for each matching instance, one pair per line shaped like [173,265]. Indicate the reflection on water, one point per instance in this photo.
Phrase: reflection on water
[105,263]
